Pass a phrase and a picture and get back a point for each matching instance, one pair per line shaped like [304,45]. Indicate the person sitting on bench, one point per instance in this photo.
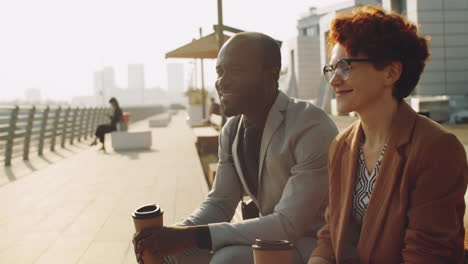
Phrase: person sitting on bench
[101,130]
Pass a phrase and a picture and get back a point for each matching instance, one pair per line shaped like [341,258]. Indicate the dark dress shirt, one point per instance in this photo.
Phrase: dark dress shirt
[250,140]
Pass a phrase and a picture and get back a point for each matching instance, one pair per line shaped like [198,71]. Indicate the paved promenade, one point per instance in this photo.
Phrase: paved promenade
[77,210]
[74,205]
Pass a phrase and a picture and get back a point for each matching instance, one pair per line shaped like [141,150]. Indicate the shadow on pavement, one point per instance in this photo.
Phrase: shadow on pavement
[21,168]
[28,164]
[135,154]
[9,173]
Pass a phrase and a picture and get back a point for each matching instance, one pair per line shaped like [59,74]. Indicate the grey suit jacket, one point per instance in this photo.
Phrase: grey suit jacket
[293,180]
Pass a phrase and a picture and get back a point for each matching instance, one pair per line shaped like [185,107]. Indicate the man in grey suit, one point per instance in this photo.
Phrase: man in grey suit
[274,150]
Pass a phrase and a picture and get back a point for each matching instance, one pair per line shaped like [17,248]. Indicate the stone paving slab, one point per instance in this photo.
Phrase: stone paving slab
[77,210]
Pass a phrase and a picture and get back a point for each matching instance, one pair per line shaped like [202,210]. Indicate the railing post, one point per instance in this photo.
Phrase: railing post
[11,135]
[81,126]
[45,116]
[97,118]
[54,128]
[89,123]
[94,122]
[64,128]
[103,115]
[90,128]
[27,134]
[100,114]
[73,126]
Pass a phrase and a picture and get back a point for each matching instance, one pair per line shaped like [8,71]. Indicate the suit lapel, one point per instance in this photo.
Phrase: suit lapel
[378,207]
[345,232]
[235,156]
[388,180]
[274,120]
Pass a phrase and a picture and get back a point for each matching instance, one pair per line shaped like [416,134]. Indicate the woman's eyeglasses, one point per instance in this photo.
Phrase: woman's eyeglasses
[342,68]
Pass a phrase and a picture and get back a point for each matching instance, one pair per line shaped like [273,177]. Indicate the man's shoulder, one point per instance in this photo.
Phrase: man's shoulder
[304,113]
[304,108]
[231,123]
[230,126]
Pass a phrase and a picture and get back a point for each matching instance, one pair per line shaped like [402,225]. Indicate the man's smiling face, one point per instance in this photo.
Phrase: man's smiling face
[240,76]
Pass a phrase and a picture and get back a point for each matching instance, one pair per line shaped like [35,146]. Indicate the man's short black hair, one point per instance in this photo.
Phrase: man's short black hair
[269,48]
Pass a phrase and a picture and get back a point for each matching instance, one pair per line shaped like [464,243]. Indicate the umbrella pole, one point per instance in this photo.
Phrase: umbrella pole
[220,24]
[220,44]
[202,84]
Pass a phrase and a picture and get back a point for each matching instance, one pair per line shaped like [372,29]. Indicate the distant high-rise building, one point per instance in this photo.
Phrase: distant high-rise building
[98,83]
[136,82]
[108,78]
[33,95]
[104,84]
[136,77]
[175,77]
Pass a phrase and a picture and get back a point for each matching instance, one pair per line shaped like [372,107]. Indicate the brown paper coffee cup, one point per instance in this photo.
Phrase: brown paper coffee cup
[273,252]
[146,217]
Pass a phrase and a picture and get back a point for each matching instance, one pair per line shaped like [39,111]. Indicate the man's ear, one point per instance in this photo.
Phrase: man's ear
[393,72]
[276,73]
[272,74]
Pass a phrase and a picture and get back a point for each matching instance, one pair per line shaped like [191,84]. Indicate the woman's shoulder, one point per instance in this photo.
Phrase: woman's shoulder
[428,127]
[429,132]
[435,140]
[344,136]
[348,132]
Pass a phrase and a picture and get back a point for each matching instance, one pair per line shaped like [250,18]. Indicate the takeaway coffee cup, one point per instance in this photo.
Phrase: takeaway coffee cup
[145,217]
[273,252]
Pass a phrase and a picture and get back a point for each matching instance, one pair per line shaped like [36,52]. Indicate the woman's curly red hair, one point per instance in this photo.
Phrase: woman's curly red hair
[385,37]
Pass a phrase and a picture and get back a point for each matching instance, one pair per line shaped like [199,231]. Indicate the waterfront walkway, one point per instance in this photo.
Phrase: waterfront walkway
[73,206]
[78,209]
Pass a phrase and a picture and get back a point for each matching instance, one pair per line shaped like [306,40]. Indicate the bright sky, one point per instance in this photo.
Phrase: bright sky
[56,45]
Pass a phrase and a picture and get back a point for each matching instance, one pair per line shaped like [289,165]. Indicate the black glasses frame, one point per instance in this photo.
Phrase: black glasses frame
[348,60]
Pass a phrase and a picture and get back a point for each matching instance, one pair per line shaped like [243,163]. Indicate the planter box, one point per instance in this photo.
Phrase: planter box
[195,114]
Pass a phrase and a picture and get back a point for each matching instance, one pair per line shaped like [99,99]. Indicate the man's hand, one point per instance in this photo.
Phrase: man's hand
[318,260]
[163,241]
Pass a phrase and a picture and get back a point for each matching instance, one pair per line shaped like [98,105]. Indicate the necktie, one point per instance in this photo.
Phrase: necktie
[251,153]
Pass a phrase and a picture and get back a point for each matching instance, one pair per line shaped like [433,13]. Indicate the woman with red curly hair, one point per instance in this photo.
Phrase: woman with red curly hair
[397,179]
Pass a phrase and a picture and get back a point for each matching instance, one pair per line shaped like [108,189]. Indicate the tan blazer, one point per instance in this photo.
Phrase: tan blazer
[415,214]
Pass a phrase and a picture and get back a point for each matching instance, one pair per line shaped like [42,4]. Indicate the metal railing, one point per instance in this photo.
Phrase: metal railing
[25,130]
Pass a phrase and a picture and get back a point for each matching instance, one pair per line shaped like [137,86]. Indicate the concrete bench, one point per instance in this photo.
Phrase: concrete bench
[207,136]
[122,140]
[212,167]
[161,120]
